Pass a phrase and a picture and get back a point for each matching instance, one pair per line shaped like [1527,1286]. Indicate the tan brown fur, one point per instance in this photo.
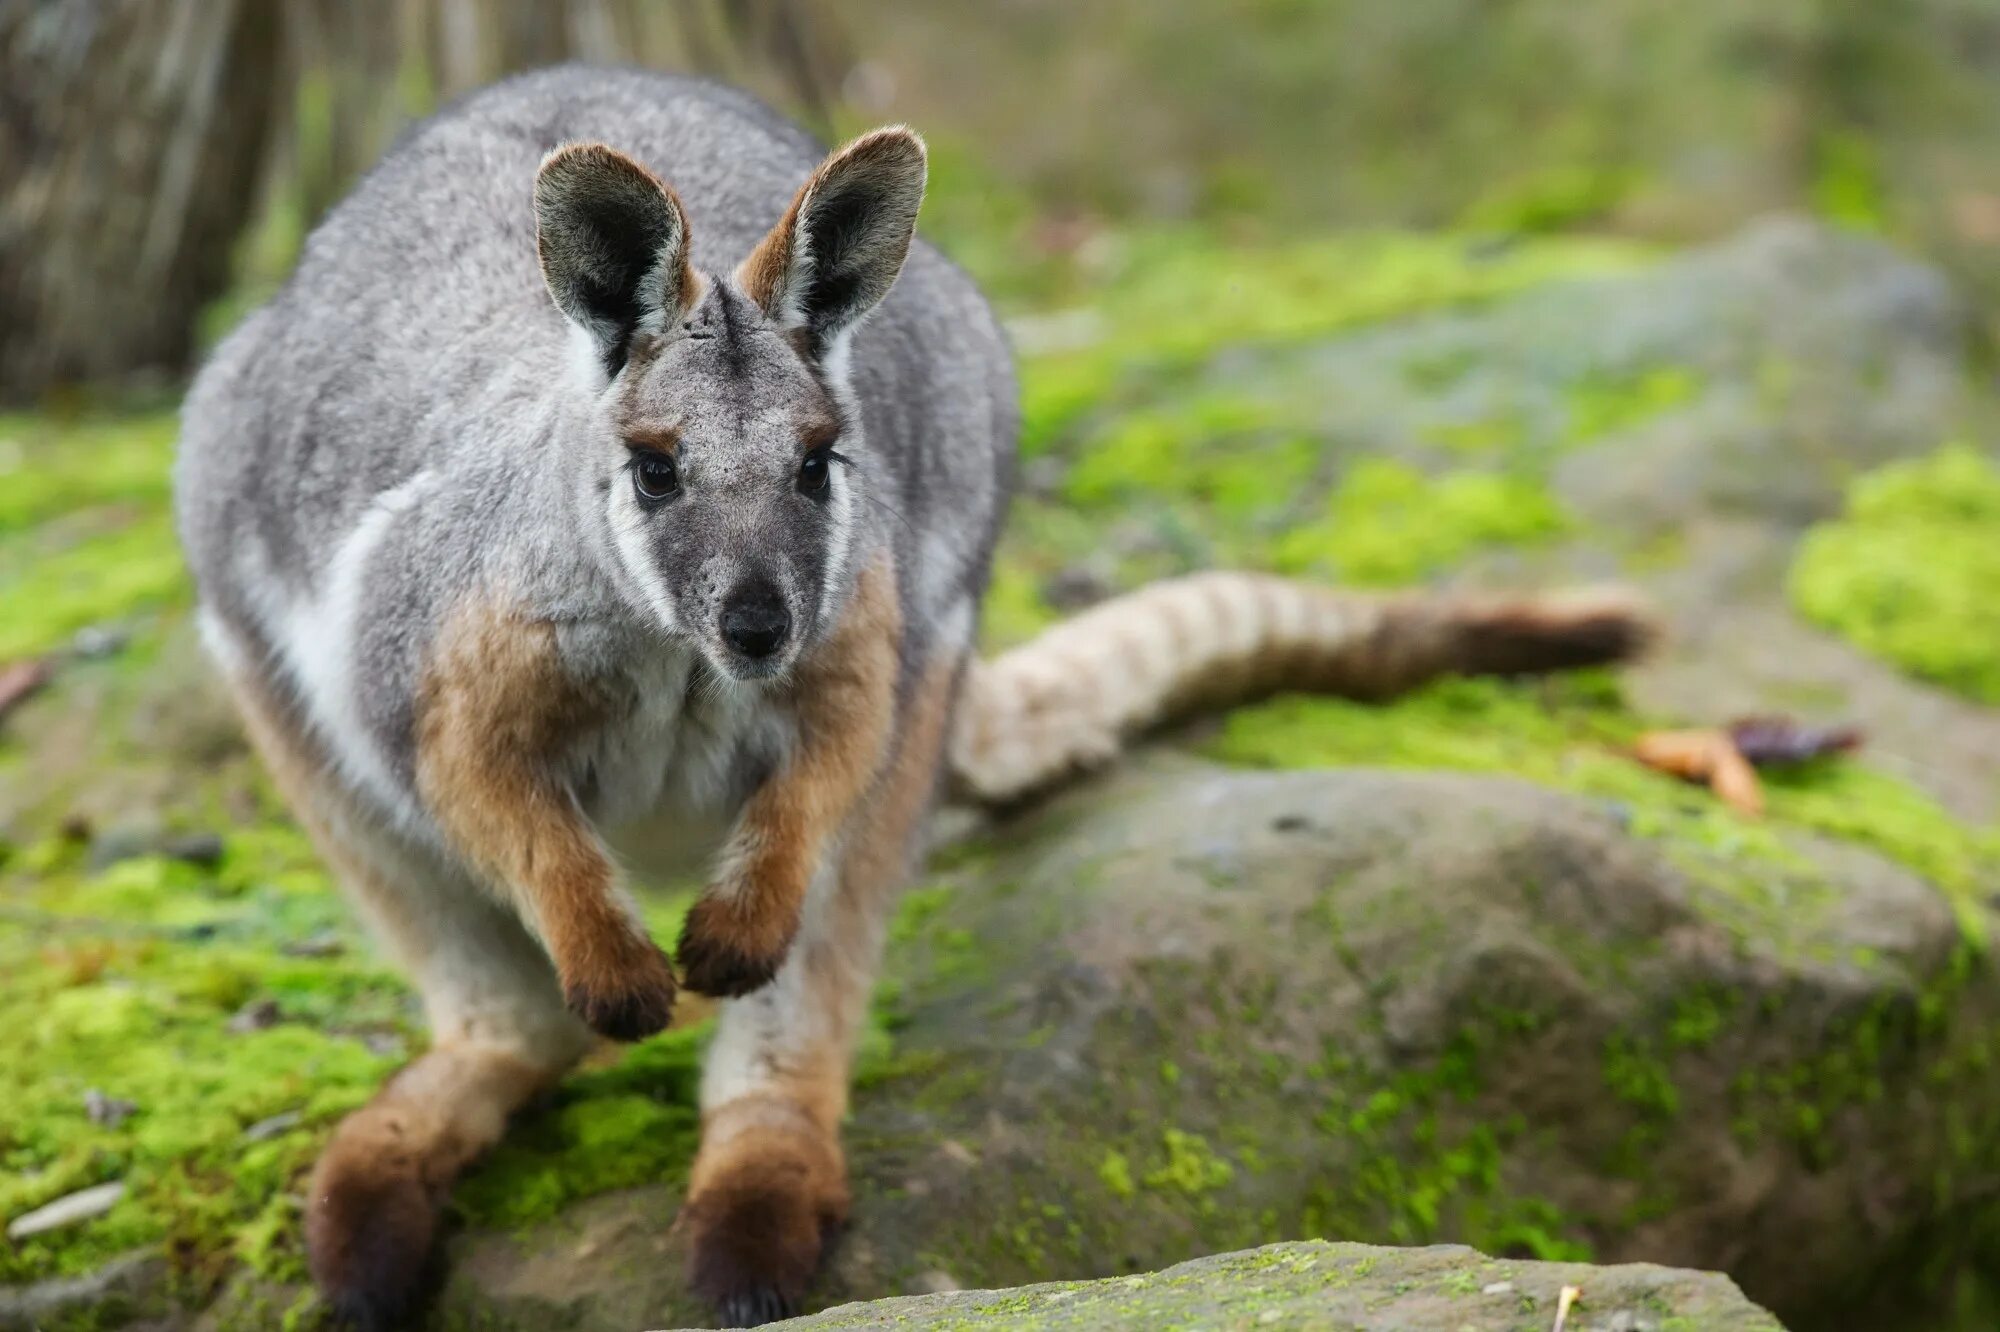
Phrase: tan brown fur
[738,933]
[493,717]
[876,163]
[762,274]
[376,1196]
[769,1185]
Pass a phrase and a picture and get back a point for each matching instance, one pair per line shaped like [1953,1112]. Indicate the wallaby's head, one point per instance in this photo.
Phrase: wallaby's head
[725,459]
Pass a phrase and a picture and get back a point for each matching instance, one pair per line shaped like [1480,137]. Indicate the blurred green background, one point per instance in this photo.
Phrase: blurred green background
[166,155]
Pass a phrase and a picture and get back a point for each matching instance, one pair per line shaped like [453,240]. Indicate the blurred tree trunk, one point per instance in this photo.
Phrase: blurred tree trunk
[137,137]
[132,141]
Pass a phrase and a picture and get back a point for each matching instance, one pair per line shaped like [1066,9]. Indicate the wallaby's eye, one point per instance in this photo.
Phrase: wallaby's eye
[655,477]
[814,473]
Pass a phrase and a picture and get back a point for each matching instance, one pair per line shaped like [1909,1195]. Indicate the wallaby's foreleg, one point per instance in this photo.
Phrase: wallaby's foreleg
[769,1183]
[738,933]
[494,717]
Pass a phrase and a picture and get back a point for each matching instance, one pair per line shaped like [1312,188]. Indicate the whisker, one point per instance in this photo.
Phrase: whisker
[891,510]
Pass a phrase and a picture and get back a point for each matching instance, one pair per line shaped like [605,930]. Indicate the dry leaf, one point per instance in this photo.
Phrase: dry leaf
[1735,782]
[1776,739]
[1689,755]
[1708,757]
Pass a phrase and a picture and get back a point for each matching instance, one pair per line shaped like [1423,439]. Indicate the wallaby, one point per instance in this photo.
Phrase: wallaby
[548,505]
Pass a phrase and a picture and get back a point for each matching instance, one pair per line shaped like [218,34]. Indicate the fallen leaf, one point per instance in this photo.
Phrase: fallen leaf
[1708,757]
[1735,782]
[1689,755]
[1777,739]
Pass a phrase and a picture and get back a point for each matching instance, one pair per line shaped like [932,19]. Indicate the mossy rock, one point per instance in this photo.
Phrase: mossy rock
[1349,1286]
[1190,1009]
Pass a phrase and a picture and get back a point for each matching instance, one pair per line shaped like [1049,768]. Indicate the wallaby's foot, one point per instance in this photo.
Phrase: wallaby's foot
[727,951]
[627,994]
[373,1208]
[763,1204]
[371,1225]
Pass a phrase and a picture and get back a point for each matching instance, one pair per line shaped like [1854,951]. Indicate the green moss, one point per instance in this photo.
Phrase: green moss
[1601,404]
[135,1003]
[125,982]
[1848,185]
[1698,1018]
[49,467]
[1387,523]
[1174,296]
[1640,1078]
[111,574]
[1191,1166]
[1550,199]
[1116,1173]
[1908,571]
[635,1123]
[1573,734]
[85,531]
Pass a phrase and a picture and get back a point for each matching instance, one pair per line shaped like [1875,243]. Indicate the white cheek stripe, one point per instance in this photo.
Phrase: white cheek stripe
[840,543]
[628,533]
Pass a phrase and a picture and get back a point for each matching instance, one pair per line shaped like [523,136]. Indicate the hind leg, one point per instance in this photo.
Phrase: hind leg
[769,1185]
[500,1032]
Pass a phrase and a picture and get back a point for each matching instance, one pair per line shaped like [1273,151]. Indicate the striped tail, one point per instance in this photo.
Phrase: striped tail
[1068,700]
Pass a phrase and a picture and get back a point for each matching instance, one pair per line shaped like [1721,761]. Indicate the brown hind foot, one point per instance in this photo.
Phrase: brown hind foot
[764,1203]
[377,1195]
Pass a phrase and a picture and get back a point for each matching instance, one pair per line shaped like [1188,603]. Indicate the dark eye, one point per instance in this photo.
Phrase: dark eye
[655,477]
[814,473]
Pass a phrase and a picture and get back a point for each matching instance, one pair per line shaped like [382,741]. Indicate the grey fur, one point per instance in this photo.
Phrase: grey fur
[417,336]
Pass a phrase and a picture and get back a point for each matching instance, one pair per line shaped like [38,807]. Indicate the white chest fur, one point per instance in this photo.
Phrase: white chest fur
[664,780]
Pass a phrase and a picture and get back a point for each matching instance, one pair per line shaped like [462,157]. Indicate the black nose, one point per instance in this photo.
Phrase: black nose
[755,621]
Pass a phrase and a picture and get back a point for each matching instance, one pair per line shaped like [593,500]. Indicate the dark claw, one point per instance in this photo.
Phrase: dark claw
[755,1307]
[712,968]
[628,1007]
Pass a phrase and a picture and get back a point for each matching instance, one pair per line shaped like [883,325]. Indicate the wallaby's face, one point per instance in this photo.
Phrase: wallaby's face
[729,489]
[734,504]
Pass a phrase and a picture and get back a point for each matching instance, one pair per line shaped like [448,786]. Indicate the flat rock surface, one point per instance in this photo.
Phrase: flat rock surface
[1354,1287]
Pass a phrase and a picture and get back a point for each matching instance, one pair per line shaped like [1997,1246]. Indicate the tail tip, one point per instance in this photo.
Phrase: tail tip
[1586,627]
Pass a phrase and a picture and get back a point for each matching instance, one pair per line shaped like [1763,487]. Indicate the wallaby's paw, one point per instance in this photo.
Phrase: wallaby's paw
[371,1225]
[628,1000]
[757,1234]
[724,954]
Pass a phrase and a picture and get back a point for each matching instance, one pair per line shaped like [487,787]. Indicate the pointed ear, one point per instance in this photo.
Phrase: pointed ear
[839,247]
[613,241]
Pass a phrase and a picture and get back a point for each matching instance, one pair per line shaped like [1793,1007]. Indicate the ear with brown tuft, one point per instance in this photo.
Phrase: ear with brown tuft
[613,241]
[838,248]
